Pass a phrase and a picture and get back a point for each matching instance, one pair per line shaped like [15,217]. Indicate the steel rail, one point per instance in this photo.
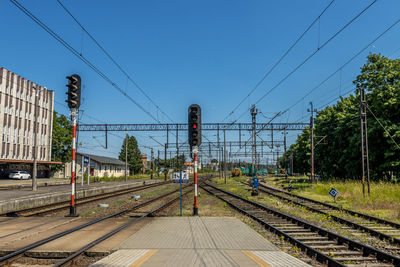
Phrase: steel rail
[97,241]
[380,235]
[85,200]
[354,213]
[56,236]
[366,249]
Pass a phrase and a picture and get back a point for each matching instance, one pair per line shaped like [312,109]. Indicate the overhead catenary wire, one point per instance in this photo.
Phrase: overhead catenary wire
[310,56]
[279,60]
[79,56]
[345,64]
[112,59]
[384,128]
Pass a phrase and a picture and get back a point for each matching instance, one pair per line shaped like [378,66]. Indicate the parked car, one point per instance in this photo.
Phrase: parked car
[19,175]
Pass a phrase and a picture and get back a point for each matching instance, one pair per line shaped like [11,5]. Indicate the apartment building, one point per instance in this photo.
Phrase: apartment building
[17,108]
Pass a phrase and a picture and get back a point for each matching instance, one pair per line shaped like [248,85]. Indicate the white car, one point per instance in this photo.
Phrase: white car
[19,175]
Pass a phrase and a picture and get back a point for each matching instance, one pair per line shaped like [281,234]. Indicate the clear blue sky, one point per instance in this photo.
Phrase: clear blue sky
[181,52]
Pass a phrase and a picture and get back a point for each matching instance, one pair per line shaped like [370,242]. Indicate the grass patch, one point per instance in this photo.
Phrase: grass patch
[383,202]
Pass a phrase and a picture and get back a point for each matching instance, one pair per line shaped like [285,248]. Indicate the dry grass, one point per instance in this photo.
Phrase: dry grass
[383,202]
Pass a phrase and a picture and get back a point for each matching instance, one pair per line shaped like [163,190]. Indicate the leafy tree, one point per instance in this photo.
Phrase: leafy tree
[134,155]
[175,162]
[339,156]
[61,139]
[380,77]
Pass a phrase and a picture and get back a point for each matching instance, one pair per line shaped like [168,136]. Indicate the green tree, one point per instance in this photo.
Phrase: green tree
[339,156]
[61,139]
[134,155]
[380,77]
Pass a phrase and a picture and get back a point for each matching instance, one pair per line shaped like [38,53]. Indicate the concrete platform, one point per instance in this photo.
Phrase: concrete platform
[15,200]
[17,184]
[197,241]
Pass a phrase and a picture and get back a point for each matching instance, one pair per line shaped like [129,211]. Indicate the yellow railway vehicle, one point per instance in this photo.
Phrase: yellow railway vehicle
[236,172]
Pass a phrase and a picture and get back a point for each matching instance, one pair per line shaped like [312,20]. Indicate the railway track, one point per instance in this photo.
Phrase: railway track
[327,247]
[136,212]
[382,229]
[46,209]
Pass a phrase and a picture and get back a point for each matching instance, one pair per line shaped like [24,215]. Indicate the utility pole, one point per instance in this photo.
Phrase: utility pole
[253,113]
[165,161]
[291,163]
[126,158]
[34,174]
[177,149]
[151,165]
[364,140]
[225,155]
[312,110]
[284,149]
[158,163]
[219,154]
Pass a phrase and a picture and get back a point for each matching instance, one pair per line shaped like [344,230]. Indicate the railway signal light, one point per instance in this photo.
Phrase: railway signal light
[194,125]
[74,91]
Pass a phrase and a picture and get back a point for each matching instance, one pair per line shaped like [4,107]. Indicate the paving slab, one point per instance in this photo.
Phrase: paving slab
[198,232]
[197,241]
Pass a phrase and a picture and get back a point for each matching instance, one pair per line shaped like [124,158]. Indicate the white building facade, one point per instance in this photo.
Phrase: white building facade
[99,166]
[17,116]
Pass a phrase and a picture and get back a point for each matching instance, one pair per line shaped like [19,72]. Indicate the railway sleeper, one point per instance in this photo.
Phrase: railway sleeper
[346,253]
[371,265]
[319,242]
[358,259]
[329,247]
[310,238]
[298,231]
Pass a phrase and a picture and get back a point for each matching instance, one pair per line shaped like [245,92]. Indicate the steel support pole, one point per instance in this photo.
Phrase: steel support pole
[88,173]
[165,161]
[284,153]
[224,155]
[126,157]
[106,131]
[158,163]
[254,112]
[195,208]
[364,141]
[82,165]
[291,164]
[34,171]
[219,153]
[312,141]
[177,148]
[151,165]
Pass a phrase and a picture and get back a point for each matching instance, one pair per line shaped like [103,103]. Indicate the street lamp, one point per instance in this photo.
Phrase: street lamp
[35,130]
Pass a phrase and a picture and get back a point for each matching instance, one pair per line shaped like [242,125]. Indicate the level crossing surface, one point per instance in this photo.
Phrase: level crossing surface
[197,241]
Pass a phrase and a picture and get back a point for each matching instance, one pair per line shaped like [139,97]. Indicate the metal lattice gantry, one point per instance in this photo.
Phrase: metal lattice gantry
[184,127]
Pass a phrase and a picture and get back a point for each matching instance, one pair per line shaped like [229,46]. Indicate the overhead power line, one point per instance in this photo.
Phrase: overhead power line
[78,55]
[113,60]
[384,128]
[279,60]
[345,64]
[311,56]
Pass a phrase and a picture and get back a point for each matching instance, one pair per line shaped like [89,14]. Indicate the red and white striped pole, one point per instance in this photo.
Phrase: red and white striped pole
[72,209]
[195,209]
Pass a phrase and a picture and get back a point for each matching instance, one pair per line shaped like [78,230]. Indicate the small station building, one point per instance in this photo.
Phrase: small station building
[100,166]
